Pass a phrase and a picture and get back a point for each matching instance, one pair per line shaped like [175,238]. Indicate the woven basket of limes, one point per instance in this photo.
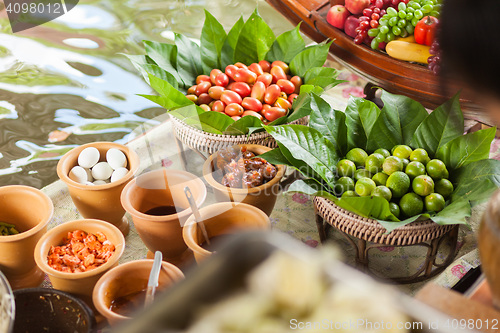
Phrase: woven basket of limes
[222,91]
[398,171]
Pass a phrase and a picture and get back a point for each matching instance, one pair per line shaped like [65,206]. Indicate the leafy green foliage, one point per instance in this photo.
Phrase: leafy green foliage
[188,59]
[227,52]
[361,114]
[254,41]
[321,77]
[170,97]
[312,56]
[476,181]
[286,46]
[212,40]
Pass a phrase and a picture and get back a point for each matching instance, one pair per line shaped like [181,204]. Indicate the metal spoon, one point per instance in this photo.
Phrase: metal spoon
[196,213]
[153,278]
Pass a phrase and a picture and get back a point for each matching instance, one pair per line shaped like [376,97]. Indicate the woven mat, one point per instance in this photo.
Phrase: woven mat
[293,213]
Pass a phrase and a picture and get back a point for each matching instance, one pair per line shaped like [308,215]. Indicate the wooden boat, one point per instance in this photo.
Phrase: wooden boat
[396,76]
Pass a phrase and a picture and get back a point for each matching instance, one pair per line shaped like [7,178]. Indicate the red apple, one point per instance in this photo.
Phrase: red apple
[356,6]
[337,15]
[350,26]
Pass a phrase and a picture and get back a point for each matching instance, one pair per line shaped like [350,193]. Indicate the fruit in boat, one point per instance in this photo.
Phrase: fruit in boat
[337,15]
[356,6]
[350,26]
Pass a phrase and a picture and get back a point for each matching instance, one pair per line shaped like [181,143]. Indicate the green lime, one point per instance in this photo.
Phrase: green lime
[414,169]
[380,178]
[402,151]
[383,152]
[436,169]
[358,156]
[443,187]
[434,202]
[392,164]
[398,183]
[405,163]
[420,155]
[373,163]
[344,184]
[346,168]
[382,191]
[349,194]
[394,209]
[364,187]
[423,185]
[411,204]
[362,173]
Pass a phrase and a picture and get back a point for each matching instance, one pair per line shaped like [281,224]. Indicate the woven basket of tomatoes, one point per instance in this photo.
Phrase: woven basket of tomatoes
[224,90]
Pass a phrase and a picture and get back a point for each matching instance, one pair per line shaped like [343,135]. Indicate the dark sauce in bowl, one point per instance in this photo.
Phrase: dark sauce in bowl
[128,304]
[163,210]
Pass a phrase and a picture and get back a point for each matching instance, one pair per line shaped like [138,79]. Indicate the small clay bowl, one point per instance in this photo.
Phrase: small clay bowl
[100,202]
[82,283]
[130,278]
[44,309]
[162,187]
[221,219]
[30,210]
[263,197]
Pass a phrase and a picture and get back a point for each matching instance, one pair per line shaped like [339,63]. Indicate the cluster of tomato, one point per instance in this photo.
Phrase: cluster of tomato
[264,90]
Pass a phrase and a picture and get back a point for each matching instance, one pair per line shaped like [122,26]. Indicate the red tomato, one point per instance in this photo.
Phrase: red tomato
[213,75]
[266,65]
[278,73]
[274,113]
[245,75]
[242,88]
[265,107]
[191,90]
[202,88]
[282,103]
[272,93]
[215,92]
[266,78]
[229,96]
[236,118]
[286,86]
[255,67]
[297,82]
[204,99]
[281,64]
[252,113]
[202,78]
[250,103]
[231,70]
[192,98]
[234,109]
[221,80]
[241,65]
[292,97]
[218,106]
[258,91]
[205,107]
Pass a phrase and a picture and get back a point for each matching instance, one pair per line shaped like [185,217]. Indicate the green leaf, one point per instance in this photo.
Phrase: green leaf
[311,187]
[456,212]
[397,122]
[211,42]
[188,59]
[330,123]
[371,207]
[227,53]
[313,56]
[160,73]
[286,46]
[309,88]
[210,121]
[308,145]
[467,148]
[301,107]
[324,77]
[361,114]
[254,40]
[186,111]
[165,56]
[443,125]
[275,156]
[169,96]
[390,226]
[240,127]
[476,181]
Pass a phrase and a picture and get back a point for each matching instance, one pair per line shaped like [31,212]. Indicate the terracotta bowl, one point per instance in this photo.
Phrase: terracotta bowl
[130,278]
[159,188]
[54,310]
[263,197]
[30,210]
[80,284]
[99,201]
[222,219]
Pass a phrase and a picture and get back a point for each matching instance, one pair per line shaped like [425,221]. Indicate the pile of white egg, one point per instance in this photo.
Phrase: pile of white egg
[90,171]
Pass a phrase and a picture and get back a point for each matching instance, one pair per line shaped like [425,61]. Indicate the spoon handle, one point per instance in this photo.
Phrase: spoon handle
[196,213]
[153,278]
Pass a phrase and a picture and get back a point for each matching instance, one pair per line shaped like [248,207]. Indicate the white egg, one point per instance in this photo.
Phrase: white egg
[118,174]
[88,157]
[101,171]
[89,175]
[116,158]
[99,182]
[89,183]
[78,174]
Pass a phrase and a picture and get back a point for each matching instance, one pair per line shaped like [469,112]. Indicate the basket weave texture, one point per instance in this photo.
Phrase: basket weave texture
[210,143]
[370,230]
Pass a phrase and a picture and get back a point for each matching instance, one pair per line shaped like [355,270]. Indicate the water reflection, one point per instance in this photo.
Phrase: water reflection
[64,83]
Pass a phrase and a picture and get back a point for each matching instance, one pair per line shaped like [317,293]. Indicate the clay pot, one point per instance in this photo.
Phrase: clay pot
[99,201]
[82,283]
[489,250]
[158,188]
[129,278]
[222,219]
[30,210]
[263,197]
[53,310]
